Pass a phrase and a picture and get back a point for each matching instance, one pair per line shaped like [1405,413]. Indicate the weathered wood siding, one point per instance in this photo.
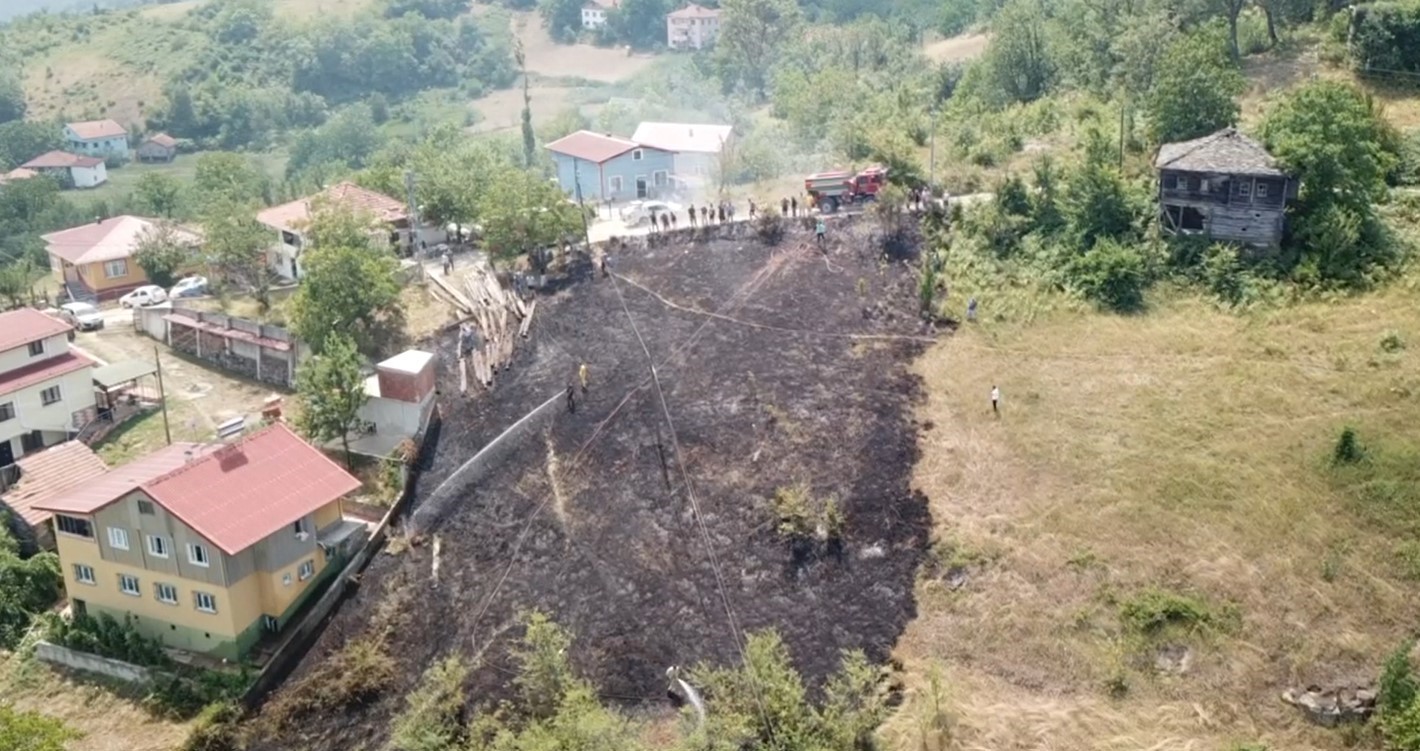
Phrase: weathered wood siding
[1236,208]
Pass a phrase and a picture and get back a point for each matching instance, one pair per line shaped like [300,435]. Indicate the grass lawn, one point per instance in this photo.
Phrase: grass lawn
[1180,457]
[144,434]
[124,180]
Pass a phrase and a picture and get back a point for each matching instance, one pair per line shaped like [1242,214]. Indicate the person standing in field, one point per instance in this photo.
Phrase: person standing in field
[690,214]
[582,376]
[794,205]
[995,400]
[819,230]
[784,207]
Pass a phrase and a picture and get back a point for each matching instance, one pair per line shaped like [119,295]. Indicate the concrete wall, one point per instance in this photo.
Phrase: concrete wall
[69,658]
[89,177]
[233,355]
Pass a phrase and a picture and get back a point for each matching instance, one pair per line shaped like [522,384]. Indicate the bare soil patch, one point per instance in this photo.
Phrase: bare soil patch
[808,383]
[548,58]
[956,49]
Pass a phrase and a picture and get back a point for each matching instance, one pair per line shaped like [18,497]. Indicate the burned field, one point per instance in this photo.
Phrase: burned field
[780,368]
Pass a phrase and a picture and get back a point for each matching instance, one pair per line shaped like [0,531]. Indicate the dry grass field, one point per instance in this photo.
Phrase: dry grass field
[1183,453]
[108,720]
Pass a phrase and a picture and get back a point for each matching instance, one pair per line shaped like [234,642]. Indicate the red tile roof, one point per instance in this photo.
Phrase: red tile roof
[110,486]
[109,240]
[42,371]
[49,474]
[695,11]
[94,129]
[237,495]
[61,160]
[20,327]
[234,495]
[162,139]
[592,147]
[297,214]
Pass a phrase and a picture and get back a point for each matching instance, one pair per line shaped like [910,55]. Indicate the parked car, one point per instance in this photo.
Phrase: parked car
[639,212]
[148,294]
[82,316]
[192,286]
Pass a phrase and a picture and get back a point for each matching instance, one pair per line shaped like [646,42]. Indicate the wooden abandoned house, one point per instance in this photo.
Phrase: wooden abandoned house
[1224,186]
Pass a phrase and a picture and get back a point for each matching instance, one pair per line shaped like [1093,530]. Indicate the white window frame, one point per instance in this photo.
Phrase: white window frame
[197,555]
[660,178]
[109,268]
[36,348]
[197,602]
[45,398]
[158,546]
[7,411]
[145,508]
[1261,191]
[298,527]
[614,184]
[637,155]
[59,520]
[118,538]
[1245,188]
[137,590]
[158,593]
[306,570]
[84,574]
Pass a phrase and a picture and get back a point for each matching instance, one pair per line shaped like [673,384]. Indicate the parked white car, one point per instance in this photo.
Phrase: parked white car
[82,316]
[639,212]
[192,286]
[148,294]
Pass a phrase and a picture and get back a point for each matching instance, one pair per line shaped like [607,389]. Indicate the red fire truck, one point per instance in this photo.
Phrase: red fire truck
[829,190]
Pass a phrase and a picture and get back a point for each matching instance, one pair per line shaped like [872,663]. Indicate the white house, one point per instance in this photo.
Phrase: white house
[399,404]
[692,27]
[70,169]
[100,138]
[291,220]
[46,389]
[594,12]
[698,149]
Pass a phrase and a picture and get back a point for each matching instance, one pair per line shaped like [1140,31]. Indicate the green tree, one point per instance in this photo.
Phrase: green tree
[347,285]
[31,731]
[751,40]
[426,8]
[332,391]
[1098,204]
[529,136]
[1331,137]
[1196,89]
[12,98]
[159,193]
[1019,65]
[233,240]
[639,23]
[1112,274]
[161,251]
[225,176]
[526,212]
[563,18]
[1397,688]
[22,141]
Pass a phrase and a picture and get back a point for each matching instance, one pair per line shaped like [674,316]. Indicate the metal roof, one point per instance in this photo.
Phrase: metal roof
[120,373]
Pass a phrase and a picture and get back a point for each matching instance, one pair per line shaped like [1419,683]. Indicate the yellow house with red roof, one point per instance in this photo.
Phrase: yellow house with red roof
[207,547]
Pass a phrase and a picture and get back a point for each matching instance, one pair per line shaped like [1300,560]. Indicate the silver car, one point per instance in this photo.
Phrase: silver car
[82,316]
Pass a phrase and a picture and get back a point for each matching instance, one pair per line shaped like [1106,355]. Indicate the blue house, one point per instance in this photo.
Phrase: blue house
[606,168]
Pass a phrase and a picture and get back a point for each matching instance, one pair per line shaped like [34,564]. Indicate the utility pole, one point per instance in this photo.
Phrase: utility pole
[932,154]
[581,205]
[162,395]
[413,210]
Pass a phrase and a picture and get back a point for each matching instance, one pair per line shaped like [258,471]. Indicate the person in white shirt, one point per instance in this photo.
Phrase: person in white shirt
[995,400]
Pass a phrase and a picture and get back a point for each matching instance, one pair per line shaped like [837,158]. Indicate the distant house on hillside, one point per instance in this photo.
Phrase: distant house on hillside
[692,27]
[594,12]
[95,260]
[158,148]
[596,167]
[44,475]
[46,388]
[291,220]
[70,170]
[697,148]
[1224,186]
[101,138]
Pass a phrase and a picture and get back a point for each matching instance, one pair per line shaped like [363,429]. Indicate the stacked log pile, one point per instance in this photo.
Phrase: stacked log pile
[498,315]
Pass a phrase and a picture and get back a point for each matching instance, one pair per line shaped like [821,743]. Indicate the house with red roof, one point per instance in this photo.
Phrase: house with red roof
[597,167]
[100,138]
[46,389]
[692,27]
[39,476]
[160,147]
[207,547]
[71,170]
[97,259]
[290,221]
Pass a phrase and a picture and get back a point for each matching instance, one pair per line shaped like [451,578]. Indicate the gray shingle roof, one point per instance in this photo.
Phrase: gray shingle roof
[1226,151]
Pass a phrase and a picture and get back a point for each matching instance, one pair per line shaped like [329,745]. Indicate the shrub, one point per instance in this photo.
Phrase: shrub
[106,637]
[1348,448]
[1401,729]
[1111,274]
[1153,610]
[769,227]
[215,729]
[792,512]
[430,721]
[1392,342]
